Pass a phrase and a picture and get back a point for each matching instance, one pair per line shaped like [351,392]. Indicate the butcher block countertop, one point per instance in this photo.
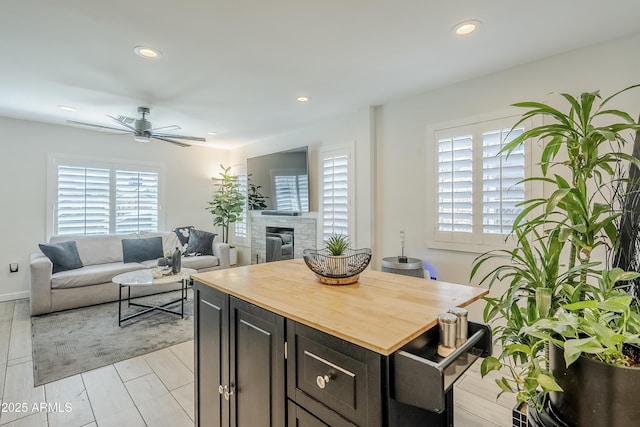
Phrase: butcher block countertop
[381,312]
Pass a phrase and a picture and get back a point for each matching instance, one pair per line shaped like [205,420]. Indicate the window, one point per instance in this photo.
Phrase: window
[136,201]
[83,200]
[478,188]
[92,198]
[335,193]
[240,227]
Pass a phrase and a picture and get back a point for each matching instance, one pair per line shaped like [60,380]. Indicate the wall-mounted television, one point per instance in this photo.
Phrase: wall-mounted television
[282,179]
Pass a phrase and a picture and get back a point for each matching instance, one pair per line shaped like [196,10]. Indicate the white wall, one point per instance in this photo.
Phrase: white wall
[23,172]
[404,157]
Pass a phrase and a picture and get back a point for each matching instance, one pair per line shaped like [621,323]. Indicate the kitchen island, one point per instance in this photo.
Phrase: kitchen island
[275,347]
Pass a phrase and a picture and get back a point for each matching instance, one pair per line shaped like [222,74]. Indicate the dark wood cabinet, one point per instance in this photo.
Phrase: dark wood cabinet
[274,349]
[211,355]
[240,362]
[336,381]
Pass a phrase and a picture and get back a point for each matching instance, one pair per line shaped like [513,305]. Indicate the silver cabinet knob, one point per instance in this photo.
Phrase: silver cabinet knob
[228,392]
[322,380]
[221,389]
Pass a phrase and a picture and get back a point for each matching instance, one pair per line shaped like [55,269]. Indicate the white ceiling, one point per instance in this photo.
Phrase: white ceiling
[235,67]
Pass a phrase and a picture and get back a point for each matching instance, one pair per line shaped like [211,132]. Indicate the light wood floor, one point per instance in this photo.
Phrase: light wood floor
[151,390]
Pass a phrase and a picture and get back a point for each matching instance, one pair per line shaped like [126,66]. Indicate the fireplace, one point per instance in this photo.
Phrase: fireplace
[279,243]
[304,229]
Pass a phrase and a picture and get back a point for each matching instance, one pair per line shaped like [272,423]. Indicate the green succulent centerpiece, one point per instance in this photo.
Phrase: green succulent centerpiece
[337,263]
[336,244]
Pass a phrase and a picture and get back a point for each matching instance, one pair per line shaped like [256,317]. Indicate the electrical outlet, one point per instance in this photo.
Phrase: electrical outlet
[13,267]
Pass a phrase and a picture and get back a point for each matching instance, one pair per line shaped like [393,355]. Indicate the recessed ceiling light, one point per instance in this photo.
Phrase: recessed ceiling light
[147,52]
[211,133]
[466,27]
[66,108]
[303,99]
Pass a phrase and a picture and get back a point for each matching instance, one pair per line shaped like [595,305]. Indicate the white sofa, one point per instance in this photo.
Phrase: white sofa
[102,259]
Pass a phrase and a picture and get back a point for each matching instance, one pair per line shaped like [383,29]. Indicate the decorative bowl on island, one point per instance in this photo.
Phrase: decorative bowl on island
[337,270]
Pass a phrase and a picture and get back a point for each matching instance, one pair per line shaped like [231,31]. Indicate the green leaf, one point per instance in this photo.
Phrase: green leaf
[548,383]
[504,385]
[489,364]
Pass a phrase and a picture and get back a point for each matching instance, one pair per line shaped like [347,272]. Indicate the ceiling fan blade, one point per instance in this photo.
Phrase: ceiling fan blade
[125,124]
[165,128]
[190,138]
[73,122]
[178,143]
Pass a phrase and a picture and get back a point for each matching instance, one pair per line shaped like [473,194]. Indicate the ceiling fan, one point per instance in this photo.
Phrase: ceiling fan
[142,130]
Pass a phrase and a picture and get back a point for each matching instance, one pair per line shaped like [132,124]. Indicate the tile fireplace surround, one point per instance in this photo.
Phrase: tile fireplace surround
[304,230]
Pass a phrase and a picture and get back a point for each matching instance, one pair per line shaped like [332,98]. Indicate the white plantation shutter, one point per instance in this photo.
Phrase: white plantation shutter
[240,227]
[83,200]
[478,188]
[335,194]
[501,186]
[136,202]
[90,196]
[455,184]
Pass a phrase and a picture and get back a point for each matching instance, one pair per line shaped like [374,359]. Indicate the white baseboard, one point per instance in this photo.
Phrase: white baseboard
[13,296]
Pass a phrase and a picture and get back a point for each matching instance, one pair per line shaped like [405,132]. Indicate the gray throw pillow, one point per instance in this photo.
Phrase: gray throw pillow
[201,242]
[138,250]
[63,255]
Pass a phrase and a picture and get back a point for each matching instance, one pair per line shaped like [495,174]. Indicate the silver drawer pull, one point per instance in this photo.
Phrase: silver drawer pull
[322,380]
[221,389]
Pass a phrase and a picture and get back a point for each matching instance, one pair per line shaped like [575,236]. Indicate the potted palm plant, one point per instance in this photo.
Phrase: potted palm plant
[565,304]
[227,204]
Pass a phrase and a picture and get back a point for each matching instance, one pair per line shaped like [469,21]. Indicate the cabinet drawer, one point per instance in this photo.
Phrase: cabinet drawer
[419,377]
[334,373]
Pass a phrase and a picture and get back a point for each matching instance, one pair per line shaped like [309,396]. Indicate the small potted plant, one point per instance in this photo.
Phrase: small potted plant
[337,261]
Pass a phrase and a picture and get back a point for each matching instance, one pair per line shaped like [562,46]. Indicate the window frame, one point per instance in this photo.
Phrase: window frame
[477,241]
[56,160]
[241,172]
[332,152]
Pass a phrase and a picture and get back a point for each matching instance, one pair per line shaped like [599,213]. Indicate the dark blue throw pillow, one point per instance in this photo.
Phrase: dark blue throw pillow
[63,255]
[138,250]
[183,234]
[201,242]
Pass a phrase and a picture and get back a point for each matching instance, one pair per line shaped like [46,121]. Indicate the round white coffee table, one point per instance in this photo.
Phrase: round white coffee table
[144,278]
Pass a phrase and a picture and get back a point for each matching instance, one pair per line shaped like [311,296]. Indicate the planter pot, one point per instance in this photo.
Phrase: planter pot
[233,256]
[337,265]
[519,415]
[595,393]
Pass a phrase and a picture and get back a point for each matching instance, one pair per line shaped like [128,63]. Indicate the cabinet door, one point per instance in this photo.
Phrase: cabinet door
[211,362]
[298,417]
[257,366]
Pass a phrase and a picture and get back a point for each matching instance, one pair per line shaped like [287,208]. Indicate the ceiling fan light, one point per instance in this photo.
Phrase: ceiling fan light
[142,138]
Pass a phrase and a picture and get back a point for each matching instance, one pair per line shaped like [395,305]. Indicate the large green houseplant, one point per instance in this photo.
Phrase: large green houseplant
[228,201]
[562,291]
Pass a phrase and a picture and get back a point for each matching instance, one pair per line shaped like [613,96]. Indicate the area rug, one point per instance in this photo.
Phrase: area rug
[74,341]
